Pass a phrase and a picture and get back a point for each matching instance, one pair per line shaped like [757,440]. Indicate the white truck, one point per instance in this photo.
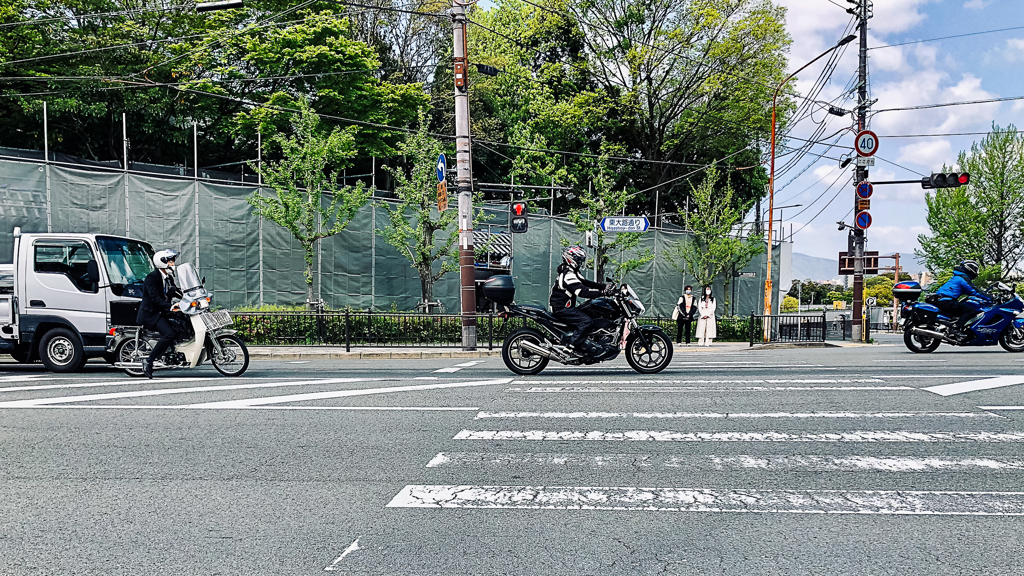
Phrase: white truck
[64,294]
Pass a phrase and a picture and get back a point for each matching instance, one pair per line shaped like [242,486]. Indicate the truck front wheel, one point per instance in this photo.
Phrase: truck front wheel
[60,350]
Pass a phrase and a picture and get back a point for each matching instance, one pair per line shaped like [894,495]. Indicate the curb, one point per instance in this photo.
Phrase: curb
[794,345]
[371,355]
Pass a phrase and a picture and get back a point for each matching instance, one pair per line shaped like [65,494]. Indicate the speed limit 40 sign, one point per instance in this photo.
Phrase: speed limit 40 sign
[867,143]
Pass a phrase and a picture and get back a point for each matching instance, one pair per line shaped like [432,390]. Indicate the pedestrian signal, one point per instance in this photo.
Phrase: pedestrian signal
[946,180]
[517,218]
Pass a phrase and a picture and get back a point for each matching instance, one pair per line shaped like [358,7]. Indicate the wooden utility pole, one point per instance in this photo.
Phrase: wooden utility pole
[464,179]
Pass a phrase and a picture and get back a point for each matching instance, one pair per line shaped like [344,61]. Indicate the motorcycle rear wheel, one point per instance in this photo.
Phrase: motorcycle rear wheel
[125,352]
[920,344]
[1012,340]
[649,359]
[520,361]
[235,358]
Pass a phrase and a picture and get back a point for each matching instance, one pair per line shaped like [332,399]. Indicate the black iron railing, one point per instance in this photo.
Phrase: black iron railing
[787,328]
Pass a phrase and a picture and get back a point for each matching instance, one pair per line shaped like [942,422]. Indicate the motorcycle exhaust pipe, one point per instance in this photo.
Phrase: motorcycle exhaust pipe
[531,347]
[929,333]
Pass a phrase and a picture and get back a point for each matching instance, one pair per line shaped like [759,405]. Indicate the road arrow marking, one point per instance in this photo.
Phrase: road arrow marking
[872,436]
[975,385]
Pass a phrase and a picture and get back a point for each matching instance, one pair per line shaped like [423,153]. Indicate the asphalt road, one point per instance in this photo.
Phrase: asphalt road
[770,462]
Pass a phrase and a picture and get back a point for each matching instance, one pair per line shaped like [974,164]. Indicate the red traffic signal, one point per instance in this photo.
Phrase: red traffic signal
[517,218]
[946,180]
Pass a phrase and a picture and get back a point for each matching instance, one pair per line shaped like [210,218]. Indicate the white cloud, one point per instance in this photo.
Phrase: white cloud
[931,87]
[897,15]
[931,153]
[976,4]
[1014,50]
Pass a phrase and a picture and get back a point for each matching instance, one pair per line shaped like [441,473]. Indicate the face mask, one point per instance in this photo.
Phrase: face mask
[708,292]
[689,291]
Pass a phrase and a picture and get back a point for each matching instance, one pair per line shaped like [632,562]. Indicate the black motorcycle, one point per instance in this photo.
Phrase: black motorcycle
[528,350]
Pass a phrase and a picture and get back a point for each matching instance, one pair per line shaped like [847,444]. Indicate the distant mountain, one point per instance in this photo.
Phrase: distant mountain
[825,269]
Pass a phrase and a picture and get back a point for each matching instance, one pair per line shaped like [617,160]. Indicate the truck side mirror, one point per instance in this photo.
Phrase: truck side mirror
[92,272]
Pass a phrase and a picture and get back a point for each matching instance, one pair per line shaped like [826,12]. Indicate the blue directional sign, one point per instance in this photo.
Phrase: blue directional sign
[625,224]
[863,220]
[865,189]
[442,168]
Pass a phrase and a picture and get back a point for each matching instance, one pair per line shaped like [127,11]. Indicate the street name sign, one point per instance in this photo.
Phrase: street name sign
[625,224]
[862,161]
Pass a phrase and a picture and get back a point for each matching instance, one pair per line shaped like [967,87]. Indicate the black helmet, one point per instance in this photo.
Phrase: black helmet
[970,267]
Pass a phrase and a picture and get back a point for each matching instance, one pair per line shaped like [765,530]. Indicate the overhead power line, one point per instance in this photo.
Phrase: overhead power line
[964,103]
[34,21]
[946,37]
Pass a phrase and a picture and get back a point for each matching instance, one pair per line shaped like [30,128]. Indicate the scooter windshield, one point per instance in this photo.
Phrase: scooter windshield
[188,278]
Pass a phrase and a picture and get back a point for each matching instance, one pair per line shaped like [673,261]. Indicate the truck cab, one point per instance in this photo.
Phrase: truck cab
[64,293]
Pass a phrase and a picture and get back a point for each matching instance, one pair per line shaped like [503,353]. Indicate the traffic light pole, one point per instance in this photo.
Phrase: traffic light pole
[861,173]
[464,179]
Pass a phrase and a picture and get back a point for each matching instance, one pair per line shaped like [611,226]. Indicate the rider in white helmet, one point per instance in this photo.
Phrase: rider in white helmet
[157,290]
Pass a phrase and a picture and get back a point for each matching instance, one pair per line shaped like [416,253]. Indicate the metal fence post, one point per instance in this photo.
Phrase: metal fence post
[824,328]
[751,328]
[490,330]
[348,346]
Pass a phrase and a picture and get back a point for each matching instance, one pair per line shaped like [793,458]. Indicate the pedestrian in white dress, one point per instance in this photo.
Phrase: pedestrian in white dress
[707,329]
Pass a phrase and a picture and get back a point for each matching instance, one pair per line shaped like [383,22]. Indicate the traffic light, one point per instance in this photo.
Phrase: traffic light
[946,180]
[517,222]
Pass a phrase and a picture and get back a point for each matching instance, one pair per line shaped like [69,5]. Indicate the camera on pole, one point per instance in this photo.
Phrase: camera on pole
[946,180]
[518,223]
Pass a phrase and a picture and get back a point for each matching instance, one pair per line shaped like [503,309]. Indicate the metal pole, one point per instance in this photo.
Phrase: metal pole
[195,168]
[124,142]
[46,157]
[861,173]
[259,191]
[465,182]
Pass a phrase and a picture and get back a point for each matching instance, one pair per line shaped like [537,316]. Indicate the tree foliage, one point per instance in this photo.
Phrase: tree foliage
[306,198]
[985,219]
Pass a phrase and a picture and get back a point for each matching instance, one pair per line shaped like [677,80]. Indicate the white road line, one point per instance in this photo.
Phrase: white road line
[342,408]
[677,389]
[1000,407]
[300,362]
[974,385]
[885,502]
[22,377]
[723,463]
[650,383]
[470,363]
[121,382]
[731,415]
[874,436]
[163,391]
[447,370]
[425,378]
[249,402]
[351,548]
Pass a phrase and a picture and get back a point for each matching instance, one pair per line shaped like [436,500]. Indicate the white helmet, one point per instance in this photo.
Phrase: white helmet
[164,258]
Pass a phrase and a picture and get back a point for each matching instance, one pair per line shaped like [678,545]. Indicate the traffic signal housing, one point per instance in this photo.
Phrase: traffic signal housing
[517,223]
[946,180]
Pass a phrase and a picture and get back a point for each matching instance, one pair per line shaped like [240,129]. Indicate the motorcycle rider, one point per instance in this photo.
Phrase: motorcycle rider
[569,285]
[157,290]
[960,284]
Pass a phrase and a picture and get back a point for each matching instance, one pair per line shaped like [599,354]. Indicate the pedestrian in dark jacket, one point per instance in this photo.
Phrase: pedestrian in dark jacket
[684,314]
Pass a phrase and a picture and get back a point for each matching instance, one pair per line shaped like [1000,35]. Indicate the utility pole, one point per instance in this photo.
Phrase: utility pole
[467,265]
[863,7]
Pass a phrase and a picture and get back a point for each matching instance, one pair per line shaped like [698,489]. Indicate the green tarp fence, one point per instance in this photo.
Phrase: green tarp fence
[248,262]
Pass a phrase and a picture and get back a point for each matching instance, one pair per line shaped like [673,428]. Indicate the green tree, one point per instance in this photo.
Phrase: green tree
[717,241]
[985,219]
[600,201]
[880,288]
[790,304]
[426,237]
[300,181]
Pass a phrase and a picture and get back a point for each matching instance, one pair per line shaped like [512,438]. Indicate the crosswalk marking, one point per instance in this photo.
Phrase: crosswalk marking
[975,385]
[727,415]
[164,391]
[673,436]
[121,382]
[677,389]
[886,502]
[249,402]
[802,463]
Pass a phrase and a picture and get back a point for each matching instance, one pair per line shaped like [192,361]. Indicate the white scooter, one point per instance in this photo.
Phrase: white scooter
[211,337]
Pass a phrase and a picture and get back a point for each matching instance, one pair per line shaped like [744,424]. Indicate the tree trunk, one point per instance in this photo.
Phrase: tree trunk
[426,285]
[309,275]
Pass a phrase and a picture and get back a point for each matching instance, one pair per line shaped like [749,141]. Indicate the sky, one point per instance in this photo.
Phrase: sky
[956,69]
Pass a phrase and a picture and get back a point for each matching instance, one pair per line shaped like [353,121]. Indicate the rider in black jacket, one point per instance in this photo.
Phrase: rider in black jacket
[157,290]
[570,285]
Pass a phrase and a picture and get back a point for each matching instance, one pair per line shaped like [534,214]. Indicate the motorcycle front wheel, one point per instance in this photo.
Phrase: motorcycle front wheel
[920,344]
[1012,340]
[519,360]
[234,358]
[652,357]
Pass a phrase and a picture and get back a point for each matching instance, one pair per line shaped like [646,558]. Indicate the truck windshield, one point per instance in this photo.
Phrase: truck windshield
[127,261]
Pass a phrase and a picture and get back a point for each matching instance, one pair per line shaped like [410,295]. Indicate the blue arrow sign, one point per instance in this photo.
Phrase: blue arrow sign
[863,220]
[625,224]
[442,167]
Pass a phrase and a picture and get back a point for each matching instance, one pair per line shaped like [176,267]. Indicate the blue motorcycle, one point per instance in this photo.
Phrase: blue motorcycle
[1000,321]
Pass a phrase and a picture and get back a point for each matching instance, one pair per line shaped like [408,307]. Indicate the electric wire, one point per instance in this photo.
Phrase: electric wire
[946,37]
[823,207]
[34,21]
